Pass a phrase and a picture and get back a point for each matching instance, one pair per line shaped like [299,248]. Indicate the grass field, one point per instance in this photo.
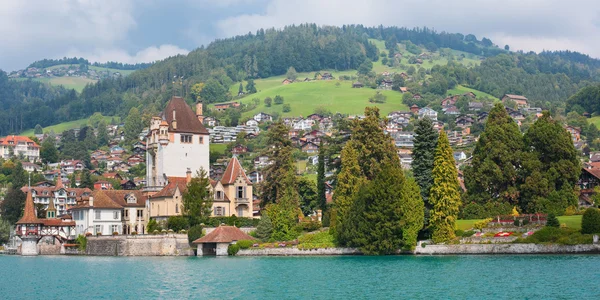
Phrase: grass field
[571,222]
[595,120]
[305,97]
[59,128]
[218,147]
[459,89]
[76,83]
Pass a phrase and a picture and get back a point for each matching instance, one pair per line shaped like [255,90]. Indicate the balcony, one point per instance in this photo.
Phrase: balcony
[242,200]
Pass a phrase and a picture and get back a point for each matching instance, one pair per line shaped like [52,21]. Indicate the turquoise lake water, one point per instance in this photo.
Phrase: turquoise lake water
[340,277]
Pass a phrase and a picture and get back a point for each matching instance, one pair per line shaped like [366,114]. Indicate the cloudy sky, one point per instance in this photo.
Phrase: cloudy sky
[133,31]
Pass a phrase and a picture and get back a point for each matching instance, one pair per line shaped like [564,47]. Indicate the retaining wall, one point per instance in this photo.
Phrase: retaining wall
[505,249]
[139,245]
[297,252]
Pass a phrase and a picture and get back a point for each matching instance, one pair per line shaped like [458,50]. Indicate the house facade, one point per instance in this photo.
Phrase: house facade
[177,142]
[15,145]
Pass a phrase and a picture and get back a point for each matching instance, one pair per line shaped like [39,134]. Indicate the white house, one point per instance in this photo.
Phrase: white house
[252,122]
[429,113]
[177,142]
[19,146]
[262,117]
[304,124]
[31,167]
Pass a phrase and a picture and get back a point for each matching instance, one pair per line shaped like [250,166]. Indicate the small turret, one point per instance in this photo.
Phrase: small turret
[199,112]
[174,122]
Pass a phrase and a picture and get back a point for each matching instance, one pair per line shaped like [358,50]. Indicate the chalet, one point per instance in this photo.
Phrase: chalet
[70,166]
[399,114]
[293,133]
[112,175]
[595,157]
[315,117]
[464,121]
[286,81]
[239,149]
[403,89]
[357,85]
[475,106]
[452,110]
[121,167]
[575,132]
[128,184]
[139,148]
[326,76]
[263,117]
[404,139]
[414,109]
[417,96]
[102,185]
[386,84]
[310,147]
[404,75]
[262,161]
[255,177]
[306,124]
[31,167]
[135,160]
[521,101]
[210,122]
[428,113]
[459,156]
[251,122]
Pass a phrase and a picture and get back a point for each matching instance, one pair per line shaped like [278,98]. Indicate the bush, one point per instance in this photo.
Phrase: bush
[115,233]
[590,222]
[552,221]
[310,225]
[525,222]
[245,244]
[553,235]
[264,230]
[88,234]
[82,242]
[153,226]
[482,224]
[232,221]
[177,223]
[134,233]
[195,233]
[322,239]
[233,249]
[287,107]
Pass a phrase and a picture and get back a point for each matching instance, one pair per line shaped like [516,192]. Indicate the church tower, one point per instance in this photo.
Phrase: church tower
[51,210]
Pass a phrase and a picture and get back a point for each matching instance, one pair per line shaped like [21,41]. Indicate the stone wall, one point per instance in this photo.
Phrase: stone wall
[297,252]
[139,245]
[504,249]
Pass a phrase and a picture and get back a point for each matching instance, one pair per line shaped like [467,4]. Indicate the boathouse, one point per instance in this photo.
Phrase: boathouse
[217,242]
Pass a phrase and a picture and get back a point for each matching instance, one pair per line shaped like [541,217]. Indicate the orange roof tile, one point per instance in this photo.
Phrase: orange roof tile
[29,215]
[187,121]
[174,184]
[15,139]
[224,234]
[233,171]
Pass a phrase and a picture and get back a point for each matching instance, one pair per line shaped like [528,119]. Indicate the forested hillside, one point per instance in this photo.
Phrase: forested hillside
[547,79]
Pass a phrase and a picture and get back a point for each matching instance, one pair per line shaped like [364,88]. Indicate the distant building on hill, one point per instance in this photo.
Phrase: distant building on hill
[16,145]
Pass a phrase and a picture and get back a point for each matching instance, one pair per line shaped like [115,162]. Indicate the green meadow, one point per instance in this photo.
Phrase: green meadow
[59,128]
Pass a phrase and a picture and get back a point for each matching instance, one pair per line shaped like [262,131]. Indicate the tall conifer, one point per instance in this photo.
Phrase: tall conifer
[445,194]
[423,154]
[412,213]
[321,179]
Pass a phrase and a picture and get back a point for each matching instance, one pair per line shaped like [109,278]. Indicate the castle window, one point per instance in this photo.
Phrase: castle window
[219,195]
[186,138]
[240,192]
[219,211]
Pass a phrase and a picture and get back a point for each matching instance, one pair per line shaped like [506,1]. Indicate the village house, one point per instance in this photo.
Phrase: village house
[217,241]
[255,177]
[112,175]
[404,139]
[261,162]
[103,185]
[251,122]
[459,156]
[286,81]
[427,112]
[304,125]
[310,148]
[71,166]
[62,197]
[31,167]
[177,142]
[15,145]
[452,110]
[210,122]
[475,106]
[128,184]
[521,101]
[406,160]
[575,132]
[220,107]
[263,117]
[464,121]
[414,109]
[239,149]
[357,85]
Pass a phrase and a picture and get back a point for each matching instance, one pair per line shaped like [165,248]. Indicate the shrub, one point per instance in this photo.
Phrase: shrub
[82,242]
[310,225]
[552,221]
[525,222]
[88,234]
[153,226]
[195,233]
[115,233]
[553,235]
[233,249]
[571,210]
[177,223]
[264,230]
[517,223]
[245,244]
[252,234]
[232,221]
[468,233]
[459,232]
[134,233]
[322,239]
[98,233]
[590,222]
[287,107]
[482,224]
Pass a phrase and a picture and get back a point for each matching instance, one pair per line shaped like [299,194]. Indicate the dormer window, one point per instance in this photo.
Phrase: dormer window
[131,198]
[219,195]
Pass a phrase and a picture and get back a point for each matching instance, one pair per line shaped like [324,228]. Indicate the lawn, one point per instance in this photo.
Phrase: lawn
[305,97]
[595,120]
[459,89]
[465,224]
[76,83]
[220,148]
[59,128]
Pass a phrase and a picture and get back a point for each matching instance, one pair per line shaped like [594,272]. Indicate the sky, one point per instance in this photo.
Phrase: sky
[132,31]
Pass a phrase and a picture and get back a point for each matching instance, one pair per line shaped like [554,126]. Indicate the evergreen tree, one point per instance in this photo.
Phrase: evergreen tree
[198,199]
[423,155]
[590,222]
[38,129]
[379,229]
[280,154]
[251,86]
[48,151]
[264,230]
[102,134]
[291,74]
[241,89]
[552,220]
[412,211]
[86,180]
[133,124]
[308,195]
[321,179]
[550,168]
[90,139]
[19,176]
[445,193]
[11,208]
[492,176]
[349,180]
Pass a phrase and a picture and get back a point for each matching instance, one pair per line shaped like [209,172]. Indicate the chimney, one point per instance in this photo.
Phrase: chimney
[198,109]
[174,122]
[188,175]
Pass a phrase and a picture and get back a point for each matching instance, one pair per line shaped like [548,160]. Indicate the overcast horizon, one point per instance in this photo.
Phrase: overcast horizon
[132,31]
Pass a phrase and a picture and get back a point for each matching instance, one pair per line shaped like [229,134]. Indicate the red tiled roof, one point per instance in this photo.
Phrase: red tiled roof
[174,184]
[516,97]
[29,215]
[224,234]
[187,121]
[101,200]
[15,139]
[57,222]
[233,171]
[120,197]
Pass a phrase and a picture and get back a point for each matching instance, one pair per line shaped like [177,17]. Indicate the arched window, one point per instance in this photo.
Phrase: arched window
[176,208]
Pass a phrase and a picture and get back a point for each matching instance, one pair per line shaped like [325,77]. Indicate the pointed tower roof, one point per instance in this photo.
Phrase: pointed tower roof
[29,216]
[187,121]
[233,171]
[51,208]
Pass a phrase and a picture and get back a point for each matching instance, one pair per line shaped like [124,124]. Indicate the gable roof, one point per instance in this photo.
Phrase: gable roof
[101,200]
[29,215]
[13,140]
[120,197]
[224,234]
[187,121]
[174,184]
[233,171]
[515,97]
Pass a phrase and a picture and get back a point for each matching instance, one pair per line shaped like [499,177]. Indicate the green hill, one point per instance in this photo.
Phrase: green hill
[305,97]
[59,128]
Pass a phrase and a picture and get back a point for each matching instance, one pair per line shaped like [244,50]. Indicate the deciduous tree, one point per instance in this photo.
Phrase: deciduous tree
[198,199]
